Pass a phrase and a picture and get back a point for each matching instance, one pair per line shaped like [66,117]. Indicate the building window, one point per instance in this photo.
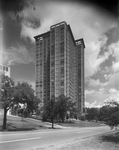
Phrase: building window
[61,83]
[62,75]
[62,55]
[62,70]
[4,68]
[52,71]
[52,64]
[53,84]
[52,50]
[62,27]
[62,90]
[62,62]
[61,50]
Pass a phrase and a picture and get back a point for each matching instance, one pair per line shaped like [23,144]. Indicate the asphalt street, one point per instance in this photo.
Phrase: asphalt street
[33,140]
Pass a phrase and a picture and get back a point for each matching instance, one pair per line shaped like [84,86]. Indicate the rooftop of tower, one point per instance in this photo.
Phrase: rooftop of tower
[58,24]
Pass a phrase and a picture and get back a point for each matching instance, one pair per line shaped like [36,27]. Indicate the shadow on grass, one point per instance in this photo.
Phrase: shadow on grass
[113,137]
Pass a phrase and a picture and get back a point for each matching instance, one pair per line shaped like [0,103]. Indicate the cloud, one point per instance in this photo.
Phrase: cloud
[94,104]
[14,5]
[112,37]
[106,65]
[107,76]
[115,66]
[97,91]
[100,33]
[82,18]
[113,91]
[92,61]
[94,84]
[114,47]
[86,22]
[17,54]
[1,29]
[88,92]
[113,81]
[106,51]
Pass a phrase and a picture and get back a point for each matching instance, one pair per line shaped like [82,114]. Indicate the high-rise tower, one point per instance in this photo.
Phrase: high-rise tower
[60,64]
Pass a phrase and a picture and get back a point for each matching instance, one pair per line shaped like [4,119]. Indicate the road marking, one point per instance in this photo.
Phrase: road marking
[82,131]
[10,134]
[19,140]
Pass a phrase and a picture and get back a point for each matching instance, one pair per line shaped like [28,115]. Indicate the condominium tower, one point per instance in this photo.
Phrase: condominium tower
[60,64]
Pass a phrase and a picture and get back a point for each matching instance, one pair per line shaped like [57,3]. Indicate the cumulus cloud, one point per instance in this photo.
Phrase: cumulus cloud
[115,67]
[113,81]
[94,104]
[100,33]
[109,46]
[113,91]
[17,54]
[92,60]
[112,37]
[86,22]
[82,18]
[88,92]
[95,84]
[115,48]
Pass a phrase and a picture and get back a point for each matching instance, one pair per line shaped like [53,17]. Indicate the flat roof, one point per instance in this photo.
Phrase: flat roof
[58,24]
[43,34]
[82,41]
[69,28]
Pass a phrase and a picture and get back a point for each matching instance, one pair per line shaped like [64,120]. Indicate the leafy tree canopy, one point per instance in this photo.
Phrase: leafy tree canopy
[6,92]
[24,94]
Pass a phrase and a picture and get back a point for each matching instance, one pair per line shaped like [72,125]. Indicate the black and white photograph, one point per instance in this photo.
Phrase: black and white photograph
[59,75]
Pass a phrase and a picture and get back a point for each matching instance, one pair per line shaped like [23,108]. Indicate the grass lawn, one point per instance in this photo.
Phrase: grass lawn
[79,123]
[17,124]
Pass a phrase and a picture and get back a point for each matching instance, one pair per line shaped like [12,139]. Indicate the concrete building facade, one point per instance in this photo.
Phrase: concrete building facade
[5,70]
[60,64]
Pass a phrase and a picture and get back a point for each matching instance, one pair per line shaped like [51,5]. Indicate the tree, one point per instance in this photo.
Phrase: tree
[103,113]
[49,110]
[111,113]
[6,96]
[62,107]
[71,108]
[24,96]
[92,114]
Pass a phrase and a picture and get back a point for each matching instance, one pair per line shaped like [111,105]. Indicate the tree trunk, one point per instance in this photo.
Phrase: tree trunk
[5,119]
[52,120]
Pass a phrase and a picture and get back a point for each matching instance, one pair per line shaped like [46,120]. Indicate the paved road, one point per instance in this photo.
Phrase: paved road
[34,140]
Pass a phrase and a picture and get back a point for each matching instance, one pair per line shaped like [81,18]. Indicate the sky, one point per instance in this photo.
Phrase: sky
[98,25]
